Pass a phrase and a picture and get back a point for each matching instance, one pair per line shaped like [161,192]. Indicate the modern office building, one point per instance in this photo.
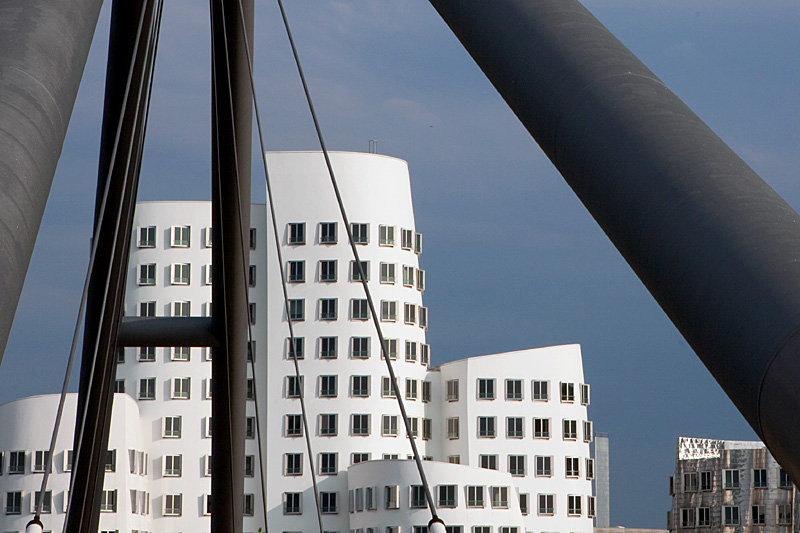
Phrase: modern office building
[506,437]
[723,485]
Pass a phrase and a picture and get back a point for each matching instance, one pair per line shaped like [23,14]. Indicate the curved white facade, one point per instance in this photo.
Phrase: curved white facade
[487,411]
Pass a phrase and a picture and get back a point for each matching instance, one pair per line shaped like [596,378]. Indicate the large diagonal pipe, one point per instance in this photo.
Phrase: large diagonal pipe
[715,245]
[43,49]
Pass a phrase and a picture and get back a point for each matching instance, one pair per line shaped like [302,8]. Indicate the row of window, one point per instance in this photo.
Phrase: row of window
[140,502]
[179,388]
[181,274]
[180,237]
[486,389]
[515,428]
[704,481]
[327,271]
[328,310]
[448,529]
[328,387]
[40,458]
[172,427]
[702,517]
[327,233]
[360,348]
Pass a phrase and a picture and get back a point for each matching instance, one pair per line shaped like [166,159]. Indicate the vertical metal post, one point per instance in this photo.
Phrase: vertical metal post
[231,151]
[126,79]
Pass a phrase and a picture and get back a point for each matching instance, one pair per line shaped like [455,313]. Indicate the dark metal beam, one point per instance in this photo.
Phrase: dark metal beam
[127,77]
[715,245]
[43,50]
[167,331]
[231,146]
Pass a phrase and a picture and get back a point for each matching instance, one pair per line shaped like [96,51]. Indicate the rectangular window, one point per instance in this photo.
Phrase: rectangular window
[294,426]
[249,502]
[421,280]
[327,308]
[451,394]
[40,460]
[250,427]
[359,347]
[500,497]
[410,314]
[388,311]
[327,347]
[389,426]
[760,478]
[706,481]
[147,237]
[574,505]
[784,481]
[454,459]
[180,388]
[252,312]
[292,464]
[292,502]
[181,236]
[359,386]
[386,235]
[411,389]
[540,391]
[111,461]
[172,465]
[327,270]
[731,515]
[296,271]
[359,309]
[387,391]
[541,428]
[704,517]
[452,428]
[514,427]
[687,518]
[690,482]
[424,354]
[328,386]
[355,274]
[413,422]
[180,353]
[172,427]
[294,386]
[418,243]
[546,504]
[359,457]
[297,233]
[181,273]
[411,351]
[587,431]
[119,387]
[757,515]
[147,309]
[417,498]
[589,468]
[513,389]
[327,233]
[147,274]
[360,232]
[544,465]
[108,501]
[408,276]
[475,497]
[422,312]
[391,345]
[570,429]
[181,308]
[731,479]
[328,463]
[327,425]
[567,392]
[426,391]
[447,496]
[47,505]
[572,466]
[427,428]
[392,496]
[253,241]
[387,272]
[328,503]
[488,461]
[784,514]
[516,465]
[485,389]
[359,424]
[251,276]
[147,389]
[14,502]
[295,349]
[406,239]
[486,427]
[209,236]
[209,276]
[584,394]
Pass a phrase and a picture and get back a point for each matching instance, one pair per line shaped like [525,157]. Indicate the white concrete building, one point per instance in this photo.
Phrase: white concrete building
[506,436]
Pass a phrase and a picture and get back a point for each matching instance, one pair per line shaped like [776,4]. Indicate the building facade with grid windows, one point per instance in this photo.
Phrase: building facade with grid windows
[505,437]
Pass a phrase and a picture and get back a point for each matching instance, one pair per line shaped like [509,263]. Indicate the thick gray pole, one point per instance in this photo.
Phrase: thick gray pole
[715,245]
[43,50]
[231,139]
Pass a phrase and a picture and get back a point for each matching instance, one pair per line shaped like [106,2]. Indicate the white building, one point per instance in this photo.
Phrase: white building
[506,436]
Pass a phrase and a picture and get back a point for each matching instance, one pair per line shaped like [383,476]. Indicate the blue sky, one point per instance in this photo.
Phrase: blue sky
[513,260]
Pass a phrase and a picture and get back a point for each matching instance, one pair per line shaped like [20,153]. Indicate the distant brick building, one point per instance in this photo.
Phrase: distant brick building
[730,486]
